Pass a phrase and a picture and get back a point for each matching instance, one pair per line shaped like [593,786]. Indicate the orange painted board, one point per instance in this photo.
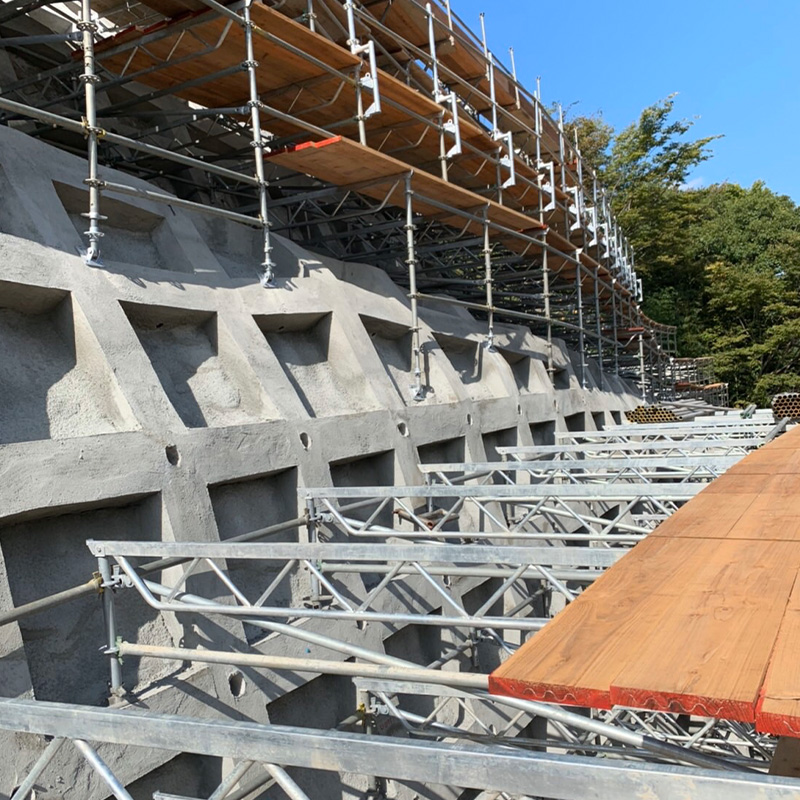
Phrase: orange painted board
[710,653]
[771,517]
[758,482]
[778,710]
[576,657]
[344,162]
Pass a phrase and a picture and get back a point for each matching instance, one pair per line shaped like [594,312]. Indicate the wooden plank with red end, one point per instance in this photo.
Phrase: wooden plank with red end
[778,710]
[710,653]
[575,658]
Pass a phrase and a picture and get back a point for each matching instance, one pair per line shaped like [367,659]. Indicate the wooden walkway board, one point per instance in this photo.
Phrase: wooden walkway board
[778,710]
[703,617]
[343,162]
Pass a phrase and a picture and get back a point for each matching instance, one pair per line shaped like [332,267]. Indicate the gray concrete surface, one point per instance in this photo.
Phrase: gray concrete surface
[169,396]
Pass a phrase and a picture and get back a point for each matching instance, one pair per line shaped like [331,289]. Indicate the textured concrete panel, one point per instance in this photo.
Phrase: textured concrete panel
[169,396]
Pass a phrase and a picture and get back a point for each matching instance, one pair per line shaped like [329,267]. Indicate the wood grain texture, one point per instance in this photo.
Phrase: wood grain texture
[709,654]
[344,162]
[703,617]
[778,709]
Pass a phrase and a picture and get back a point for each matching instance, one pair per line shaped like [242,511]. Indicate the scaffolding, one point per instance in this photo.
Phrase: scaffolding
[695,379]
[381,133]
[531,534]
[387,133]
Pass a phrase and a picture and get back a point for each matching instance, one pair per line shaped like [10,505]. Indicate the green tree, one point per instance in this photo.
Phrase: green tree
[722,263]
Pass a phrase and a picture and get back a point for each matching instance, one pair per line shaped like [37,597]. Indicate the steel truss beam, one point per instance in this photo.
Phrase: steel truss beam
[709,448]
[500,769]
[326,567]
[602,470]
[735,742]
[667,433]
[605,514]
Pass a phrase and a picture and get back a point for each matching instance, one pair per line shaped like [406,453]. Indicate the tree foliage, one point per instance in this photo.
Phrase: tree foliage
[722,262]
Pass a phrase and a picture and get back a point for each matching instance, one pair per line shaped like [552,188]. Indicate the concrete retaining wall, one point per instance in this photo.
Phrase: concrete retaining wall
[169,396]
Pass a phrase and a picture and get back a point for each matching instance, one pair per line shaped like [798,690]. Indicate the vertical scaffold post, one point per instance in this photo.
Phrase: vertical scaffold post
[487,259]
[312,17]
[110,619]
[642,378]
[251,65]
[483,36]
[417,390]
[375,787]
[438,94]
[443,147]
[355,47]
[432,50]
[599,326]
[311,537]
[545,265]
[614,324]
[562,158]
[89,78]
[546,288]
[514,75]
[581,331]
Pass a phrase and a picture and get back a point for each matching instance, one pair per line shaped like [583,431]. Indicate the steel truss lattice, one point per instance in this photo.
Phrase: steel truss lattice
[529,535]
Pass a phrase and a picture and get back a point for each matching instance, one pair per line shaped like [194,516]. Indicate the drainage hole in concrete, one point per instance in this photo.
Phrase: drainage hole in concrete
[236,683]
[305,440]
[469,419]
[173,456]
[403,428]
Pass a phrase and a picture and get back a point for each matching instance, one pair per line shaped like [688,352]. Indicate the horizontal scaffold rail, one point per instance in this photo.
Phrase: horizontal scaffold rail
[328,568]
[496,768]
[602,492]
[719,447]
[335,552]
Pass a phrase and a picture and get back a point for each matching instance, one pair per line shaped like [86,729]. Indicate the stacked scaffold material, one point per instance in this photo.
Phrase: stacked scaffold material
[649,415]
[786,405]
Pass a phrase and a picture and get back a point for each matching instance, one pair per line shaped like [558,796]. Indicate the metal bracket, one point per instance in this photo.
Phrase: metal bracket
[593,227]
[452,126]
[575,209]
[370,80]
[508,160]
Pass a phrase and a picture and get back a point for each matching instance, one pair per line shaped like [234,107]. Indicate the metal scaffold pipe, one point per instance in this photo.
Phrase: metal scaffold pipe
[487,255]
[250,63]
[88,28]
[464,680]
[418,390]
[102,769]
[391,668]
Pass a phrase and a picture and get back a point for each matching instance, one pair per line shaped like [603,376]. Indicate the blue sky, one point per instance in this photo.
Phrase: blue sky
[735,65]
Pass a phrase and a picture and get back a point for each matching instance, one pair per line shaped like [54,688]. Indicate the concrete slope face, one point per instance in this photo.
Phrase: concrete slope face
[166,395]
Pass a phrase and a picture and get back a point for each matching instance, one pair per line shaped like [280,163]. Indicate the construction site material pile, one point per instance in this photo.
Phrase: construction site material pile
[786,405]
